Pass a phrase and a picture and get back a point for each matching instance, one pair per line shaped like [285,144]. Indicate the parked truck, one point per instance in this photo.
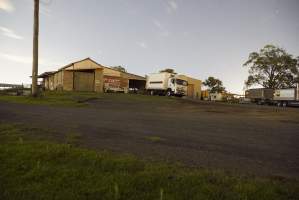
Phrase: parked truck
[287,97]
[165,83]
[260,95]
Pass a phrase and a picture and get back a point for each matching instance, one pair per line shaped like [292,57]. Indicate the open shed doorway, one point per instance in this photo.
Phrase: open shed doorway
[136,86]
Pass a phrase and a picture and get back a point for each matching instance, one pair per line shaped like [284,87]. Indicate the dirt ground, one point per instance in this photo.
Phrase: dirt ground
[259,140]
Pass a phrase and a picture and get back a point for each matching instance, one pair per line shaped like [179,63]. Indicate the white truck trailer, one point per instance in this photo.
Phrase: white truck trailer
[287,97]
[260,95]
[165,83]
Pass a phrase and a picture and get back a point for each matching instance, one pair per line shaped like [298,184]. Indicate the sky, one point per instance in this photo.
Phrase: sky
[199,38]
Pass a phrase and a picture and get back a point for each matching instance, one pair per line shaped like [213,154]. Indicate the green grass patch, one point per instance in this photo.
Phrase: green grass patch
[52,100]
[80,99]
[39,169]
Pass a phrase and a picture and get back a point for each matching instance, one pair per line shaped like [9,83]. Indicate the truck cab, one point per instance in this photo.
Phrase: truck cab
[177,87]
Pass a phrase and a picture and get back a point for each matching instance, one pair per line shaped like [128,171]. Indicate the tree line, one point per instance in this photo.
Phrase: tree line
[272,67]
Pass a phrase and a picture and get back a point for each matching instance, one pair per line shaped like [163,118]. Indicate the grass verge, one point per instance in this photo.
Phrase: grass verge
[50,98]
[80,99]
[40,169]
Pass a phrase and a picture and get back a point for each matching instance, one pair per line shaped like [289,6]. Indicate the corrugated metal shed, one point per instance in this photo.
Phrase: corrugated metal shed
[88,75]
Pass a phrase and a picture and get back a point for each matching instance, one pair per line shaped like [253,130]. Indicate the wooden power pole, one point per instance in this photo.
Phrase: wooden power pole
[34,88]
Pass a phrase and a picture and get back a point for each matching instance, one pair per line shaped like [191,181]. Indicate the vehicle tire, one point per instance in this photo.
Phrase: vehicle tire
[168,93]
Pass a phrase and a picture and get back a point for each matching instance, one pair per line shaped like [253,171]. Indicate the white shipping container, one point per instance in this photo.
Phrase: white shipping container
[285,94]
[158,81]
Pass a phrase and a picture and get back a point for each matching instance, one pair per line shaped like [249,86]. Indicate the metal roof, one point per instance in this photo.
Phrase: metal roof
[46,74]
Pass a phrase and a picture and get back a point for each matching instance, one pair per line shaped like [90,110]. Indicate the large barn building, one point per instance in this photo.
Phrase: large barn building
[88,75]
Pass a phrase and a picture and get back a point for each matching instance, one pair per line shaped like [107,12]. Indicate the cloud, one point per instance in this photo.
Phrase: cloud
[270,17]
[43,8]
[9,33]
[172,6]
[186,33]
[165,33]
[26,59]
[6,5]
[45,11]
[157,23]
[162,30]
[142,45]
[16,58]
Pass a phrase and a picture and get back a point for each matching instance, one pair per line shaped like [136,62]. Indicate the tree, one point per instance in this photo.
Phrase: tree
[272,67]
[214,85]
[168,70]
[119,68]
[34,88]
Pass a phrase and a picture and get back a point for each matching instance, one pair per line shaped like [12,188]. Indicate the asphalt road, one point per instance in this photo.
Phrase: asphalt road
[257,140]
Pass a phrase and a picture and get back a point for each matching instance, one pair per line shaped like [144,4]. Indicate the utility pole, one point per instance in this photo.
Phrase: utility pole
[34,88]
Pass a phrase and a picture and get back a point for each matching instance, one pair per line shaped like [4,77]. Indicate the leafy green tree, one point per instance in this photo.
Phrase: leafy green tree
[168,70]
[214,85]
[119,68]
[272,67]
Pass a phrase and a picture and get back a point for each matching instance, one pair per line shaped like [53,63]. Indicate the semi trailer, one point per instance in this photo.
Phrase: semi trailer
[287,97]
[280,97]
[260,95]
[165,83]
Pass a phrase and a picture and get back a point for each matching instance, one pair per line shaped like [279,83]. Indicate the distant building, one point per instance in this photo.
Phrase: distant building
[216,96]
[223,96]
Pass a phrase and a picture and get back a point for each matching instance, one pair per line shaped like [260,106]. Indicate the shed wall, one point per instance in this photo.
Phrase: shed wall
[99,80]
[196,86]
[116,84]
[68,80]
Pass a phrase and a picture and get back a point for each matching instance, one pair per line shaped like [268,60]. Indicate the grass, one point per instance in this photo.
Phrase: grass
[79,99]
[155,138]
[37,168]
[48,98]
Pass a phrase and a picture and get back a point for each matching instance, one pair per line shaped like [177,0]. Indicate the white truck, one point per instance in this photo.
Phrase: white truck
[286,97]
[165,83]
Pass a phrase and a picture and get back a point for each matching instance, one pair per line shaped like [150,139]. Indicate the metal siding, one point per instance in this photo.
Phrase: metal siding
[99,80]
[259,93]
[113,83]
[190,90]
[68,80]
[285,94]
